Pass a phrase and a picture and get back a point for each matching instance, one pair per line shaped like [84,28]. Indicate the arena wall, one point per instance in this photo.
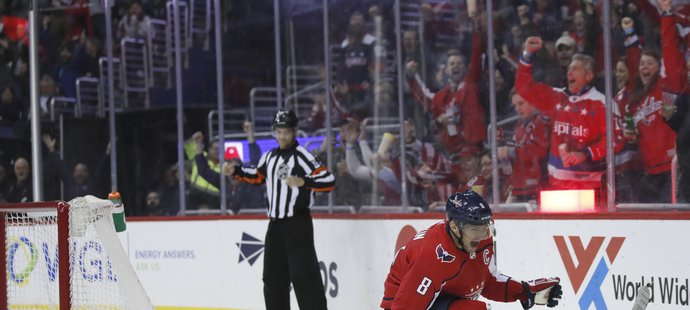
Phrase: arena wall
[216,262]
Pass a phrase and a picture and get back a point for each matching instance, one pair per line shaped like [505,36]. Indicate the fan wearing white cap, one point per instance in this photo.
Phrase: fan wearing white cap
[565,49]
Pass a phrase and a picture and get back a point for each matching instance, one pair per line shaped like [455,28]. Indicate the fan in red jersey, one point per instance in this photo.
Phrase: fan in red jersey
[452,263]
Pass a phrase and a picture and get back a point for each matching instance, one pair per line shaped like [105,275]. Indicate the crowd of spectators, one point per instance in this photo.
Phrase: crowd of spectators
[72,39]
[554,86]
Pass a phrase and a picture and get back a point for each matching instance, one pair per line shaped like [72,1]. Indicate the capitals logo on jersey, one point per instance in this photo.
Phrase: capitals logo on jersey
[443,255]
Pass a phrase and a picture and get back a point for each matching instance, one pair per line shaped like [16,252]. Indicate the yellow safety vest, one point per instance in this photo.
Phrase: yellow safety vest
[197,181]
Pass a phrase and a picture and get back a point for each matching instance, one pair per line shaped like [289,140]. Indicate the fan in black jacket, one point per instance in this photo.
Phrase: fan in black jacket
[679,121]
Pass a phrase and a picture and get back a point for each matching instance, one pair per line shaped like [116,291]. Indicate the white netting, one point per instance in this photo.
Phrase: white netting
[100,274]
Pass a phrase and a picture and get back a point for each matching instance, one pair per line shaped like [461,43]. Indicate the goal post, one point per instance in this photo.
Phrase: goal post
[65,255]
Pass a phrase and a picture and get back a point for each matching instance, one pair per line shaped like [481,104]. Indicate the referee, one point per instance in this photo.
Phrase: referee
[292,175]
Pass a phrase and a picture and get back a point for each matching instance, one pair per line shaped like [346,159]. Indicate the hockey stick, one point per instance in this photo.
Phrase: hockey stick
[642,299]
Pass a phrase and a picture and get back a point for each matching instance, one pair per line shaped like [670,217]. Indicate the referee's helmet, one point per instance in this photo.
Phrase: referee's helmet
[285,119]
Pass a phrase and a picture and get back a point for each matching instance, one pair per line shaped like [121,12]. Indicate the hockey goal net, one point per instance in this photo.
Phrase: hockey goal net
[65,255]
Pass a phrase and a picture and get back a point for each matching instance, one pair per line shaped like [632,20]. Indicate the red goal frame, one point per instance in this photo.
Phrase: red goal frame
[62,241]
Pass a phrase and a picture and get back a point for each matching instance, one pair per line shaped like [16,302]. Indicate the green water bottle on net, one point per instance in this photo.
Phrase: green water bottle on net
[118,211]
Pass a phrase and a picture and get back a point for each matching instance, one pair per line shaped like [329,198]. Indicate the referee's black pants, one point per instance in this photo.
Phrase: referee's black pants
[290,256]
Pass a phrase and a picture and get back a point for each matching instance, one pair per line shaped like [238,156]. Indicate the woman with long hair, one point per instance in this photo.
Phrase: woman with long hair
[660,77]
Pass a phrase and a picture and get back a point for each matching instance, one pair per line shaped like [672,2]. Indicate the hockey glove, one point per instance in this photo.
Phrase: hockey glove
[541,292]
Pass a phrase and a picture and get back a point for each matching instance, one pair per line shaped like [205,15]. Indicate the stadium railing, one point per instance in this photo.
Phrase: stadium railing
[389,209]
[252,211]
[160,57]
[135,76]
[336,209]
[184,33]
[89,97]
[117,83]
[263,105]
[653,206]
[200,21]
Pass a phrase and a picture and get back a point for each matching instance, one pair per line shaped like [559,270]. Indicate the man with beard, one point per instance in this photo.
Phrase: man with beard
[452,263]
[21,189]
[455,109]
[153,204]
[65,71]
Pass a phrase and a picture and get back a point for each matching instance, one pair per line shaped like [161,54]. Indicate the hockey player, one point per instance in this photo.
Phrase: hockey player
[577,153]
[451,263]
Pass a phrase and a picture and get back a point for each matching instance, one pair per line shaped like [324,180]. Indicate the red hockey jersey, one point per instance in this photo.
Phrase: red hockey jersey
[656,139]
[628,158]
[579,122]
[531,147]
[468,130]
[431,265]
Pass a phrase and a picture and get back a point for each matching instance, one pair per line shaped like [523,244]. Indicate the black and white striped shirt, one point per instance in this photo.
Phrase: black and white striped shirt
[275,166]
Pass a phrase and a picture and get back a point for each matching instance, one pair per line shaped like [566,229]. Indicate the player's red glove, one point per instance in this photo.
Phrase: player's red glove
[545,291]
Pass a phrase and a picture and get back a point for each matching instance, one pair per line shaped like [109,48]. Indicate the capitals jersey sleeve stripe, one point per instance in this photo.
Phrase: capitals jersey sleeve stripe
[500,287]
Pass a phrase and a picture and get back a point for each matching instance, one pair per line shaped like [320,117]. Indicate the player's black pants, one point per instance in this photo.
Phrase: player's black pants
[290,257]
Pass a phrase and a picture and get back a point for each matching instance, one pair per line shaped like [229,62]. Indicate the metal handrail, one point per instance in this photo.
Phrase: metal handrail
[158,48]
[260,134]
[335,209]
[653,206]
[501,123]
[141,83]
[390,209]
[253,98]
[292,76]
[205,29]
[61,125]
[206,212]
[206,20]
[292,101]
[252,211]
[54,110]
[184,33]
[213,122]
[100,109]
[305,90]
[117,81]
[375,128]
[515,207]
[674,178]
